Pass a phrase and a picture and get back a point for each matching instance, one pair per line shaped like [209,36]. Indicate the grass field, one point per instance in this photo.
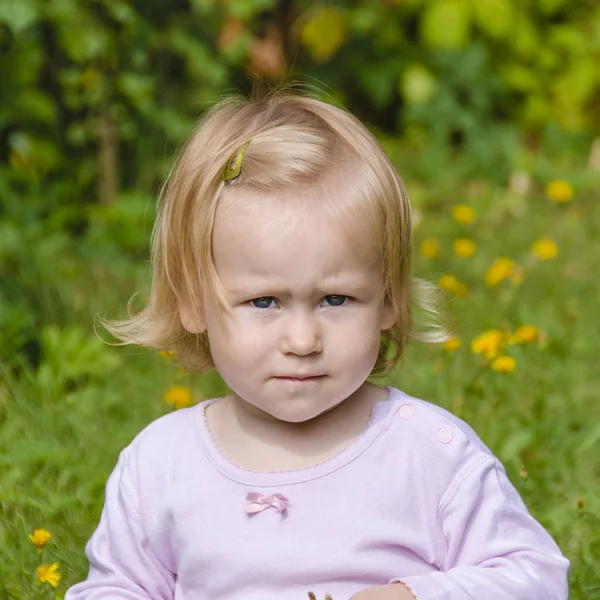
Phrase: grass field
[530,392]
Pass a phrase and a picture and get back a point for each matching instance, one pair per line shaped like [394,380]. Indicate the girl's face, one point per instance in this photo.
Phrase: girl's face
[308,302]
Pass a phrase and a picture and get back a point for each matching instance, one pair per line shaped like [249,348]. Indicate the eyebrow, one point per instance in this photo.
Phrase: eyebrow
[256,290]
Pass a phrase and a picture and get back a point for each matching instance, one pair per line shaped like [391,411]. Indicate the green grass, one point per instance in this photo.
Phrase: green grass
[63,424]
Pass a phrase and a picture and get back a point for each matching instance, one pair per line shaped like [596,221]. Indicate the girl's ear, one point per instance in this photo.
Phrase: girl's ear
[388,315]
[192,322]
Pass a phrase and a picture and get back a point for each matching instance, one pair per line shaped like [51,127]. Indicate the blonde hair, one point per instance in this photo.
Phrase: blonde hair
[294,140]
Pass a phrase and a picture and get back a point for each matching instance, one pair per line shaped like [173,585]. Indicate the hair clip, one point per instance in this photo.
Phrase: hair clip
[313,597]
[234,164]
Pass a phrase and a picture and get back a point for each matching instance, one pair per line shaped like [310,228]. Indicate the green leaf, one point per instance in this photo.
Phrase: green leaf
[378,81]
[569,39]
[589,440]
[446,23]
[514,445]
[248,9]
[37,153]
[70,354]
[524,36]
[549,7]
[417,84]
[17,15]
[495,17]
[36,105]
[85,41]
[520,78]
[365,19]
[122,12]
[324,32]
[138,88]
[580,82]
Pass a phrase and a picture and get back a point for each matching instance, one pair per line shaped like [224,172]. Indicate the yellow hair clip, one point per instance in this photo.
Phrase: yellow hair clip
[311,596]
[234,164]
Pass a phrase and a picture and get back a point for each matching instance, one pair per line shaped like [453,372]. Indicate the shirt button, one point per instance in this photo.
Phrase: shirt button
[445,435]
[406,412]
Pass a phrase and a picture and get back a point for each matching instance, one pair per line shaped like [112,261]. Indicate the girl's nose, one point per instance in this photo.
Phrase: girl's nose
[301,335]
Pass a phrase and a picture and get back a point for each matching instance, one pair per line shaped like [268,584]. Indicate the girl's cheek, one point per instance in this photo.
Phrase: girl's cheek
[249,335]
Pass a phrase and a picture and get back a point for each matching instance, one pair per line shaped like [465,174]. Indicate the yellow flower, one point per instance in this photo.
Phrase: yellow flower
[559,191]
[452,344]
[178,396]
[501,268]
[40,537]
[488,343]
[49,574]
[167,354]
[429,248]
[545,248]
[451,284]
[447,281]
[462,213]
[464,247]
[526,334]
[503,364]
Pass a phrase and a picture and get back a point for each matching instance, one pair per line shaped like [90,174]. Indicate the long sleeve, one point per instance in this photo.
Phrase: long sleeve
[122,563]
[492,549]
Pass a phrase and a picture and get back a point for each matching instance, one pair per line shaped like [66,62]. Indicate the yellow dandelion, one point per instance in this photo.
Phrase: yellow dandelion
[488,343]
[559,190]
[545,248]
[462,213]
[452,344]
[526,334]
[447,281]
[40,537]
[49,574]
[464,247]
[167,354]
[451,284]
[429,248]
[500,269]
[178,396]
[503,364]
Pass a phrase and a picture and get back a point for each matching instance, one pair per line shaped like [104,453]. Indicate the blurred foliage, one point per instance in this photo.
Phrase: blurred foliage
[85,81]
[97,94]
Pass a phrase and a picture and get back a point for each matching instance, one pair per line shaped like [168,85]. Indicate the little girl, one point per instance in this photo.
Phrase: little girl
[281,256]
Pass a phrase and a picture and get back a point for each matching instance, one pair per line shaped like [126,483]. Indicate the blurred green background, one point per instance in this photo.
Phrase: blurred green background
[492,105]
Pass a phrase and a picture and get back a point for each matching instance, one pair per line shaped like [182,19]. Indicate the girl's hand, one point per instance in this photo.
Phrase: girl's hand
[393,591]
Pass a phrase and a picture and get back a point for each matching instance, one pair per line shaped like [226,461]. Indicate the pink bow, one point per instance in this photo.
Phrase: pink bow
[258,502]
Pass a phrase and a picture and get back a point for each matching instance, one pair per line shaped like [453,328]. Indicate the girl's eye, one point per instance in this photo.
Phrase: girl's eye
[265,302]
[336,299]
[262,302]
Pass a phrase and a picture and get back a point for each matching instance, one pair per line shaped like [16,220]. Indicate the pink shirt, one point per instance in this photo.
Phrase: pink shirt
[416,498]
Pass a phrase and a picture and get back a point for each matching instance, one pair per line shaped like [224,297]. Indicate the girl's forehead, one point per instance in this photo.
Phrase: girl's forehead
[258,213]
[252,221]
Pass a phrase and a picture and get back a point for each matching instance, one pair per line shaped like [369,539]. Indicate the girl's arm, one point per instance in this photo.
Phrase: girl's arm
[492,547]
[122,563]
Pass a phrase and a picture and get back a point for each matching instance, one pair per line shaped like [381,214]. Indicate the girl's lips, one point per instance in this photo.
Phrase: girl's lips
[302,379]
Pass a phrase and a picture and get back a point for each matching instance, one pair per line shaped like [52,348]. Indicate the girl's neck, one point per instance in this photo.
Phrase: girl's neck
[255,441]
